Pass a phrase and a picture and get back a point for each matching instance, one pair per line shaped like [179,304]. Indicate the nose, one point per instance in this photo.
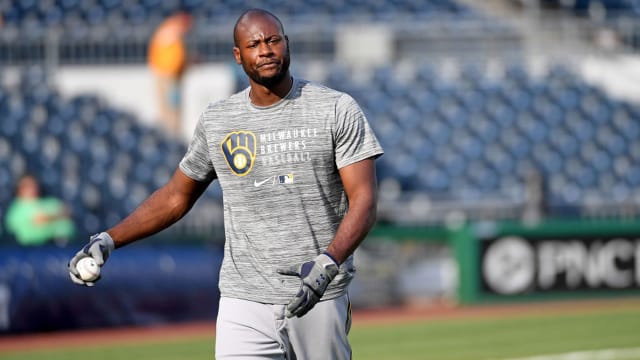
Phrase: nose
[265,48]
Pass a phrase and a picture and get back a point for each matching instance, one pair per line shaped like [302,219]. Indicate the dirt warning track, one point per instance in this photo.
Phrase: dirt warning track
[371,317]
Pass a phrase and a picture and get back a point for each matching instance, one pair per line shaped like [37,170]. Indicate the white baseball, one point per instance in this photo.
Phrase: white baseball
[88,269]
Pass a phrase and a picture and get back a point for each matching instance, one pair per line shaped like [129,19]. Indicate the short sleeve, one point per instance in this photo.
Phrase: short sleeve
[196,163]
[354,138]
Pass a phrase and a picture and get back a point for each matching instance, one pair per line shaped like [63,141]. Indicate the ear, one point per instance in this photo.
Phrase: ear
[236,54]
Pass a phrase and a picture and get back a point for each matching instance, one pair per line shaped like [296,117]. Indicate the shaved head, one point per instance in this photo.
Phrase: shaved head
[262,48]
[251,14]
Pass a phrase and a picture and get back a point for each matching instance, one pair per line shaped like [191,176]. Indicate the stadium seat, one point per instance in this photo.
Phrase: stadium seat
[76,15]
[81,149]
[480,133]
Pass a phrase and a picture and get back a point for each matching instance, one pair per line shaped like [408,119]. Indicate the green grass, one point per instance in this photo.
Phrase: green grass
[499,339]
[473,339]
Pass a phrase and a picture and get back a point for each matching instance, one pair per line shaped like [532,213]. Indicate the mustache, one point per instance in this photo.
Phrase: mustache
[269,62]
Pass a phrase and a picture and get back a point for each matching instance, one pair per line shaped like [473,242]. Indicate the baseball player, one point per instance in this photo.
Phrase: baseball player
[295,161]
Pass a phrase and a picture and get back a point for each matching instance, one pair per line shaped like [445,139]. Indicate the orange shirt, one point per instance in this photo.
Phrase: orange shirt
[167,52]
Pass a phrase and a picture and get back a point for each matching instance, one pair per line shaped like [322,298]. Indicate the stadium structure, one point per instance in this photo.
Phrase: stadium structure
[489,111]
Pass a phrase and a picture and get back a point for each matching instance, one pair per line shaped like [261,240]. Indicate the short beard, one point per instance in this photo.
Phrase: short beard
[270,81]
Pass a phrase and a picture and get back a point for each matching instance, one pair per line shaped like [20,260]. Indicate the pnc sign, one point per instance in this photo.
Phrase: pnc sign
[514,265]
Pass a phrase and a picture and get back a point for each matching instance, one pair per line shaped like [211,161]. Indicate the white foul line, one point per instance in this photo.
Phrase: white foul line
[606,354]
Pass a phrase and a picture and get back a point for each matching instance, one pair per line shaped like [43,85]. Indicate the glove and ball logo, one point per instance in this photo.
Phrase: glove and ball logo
[239,150]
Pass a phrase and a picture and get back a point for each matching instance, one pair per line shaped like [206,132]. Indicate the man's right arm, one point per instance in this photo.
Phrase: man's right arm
[163,208]
[160,210]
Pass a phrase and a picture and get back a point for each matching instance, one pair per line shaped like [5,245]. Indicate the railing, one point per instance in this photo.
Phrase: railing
[313,38]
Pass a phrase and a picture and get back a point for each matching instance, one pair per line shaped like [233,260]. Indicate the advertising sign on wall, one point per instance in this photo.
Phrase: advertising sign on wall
[516,265]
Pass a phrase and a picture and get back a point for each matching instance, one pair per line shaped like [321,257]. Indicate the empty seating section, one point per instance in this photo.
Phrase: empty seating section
[118,31]
[74,13]
[99,160]
[469,137]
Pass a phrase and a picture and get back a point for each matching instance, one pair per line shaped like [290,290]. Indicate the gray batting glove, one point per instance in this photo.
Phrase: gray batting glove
[99,248]
[315,277]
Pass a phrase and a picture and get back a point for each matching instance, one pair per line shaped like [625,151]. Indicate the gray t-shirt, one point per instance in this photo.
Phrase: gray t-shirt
[282,194]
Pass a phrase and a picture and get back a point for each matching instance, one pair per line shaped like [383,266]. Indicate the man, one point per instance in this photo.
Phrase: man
[168,60]
[295,162]
[34,219]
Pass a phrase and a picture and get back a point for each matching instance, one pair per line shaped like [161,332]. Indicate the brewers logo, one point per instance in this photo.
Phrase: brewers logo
[239,150]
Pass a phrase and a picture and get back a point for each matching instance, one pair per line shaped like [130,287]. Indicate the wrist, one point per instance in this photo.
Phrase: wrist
[331,257]
[108,240]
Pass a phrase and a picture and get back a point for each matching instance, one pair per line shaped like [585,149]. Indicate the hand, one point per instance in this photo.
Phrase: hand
[316,276]
[99,248]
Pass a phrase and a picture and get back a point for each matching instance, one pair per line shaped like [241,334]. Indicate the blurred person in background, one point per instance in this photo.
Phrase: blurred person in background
[34,219]
[295,161]
[168,59]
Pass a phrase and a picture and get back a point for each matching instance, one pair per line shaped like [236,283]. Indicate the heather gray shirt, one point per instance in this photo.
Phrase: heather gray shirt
[282,194]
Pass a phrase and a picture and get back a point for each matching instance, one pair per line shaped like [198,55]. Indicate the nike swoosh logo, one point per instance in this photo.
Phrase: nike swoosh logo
[257,183]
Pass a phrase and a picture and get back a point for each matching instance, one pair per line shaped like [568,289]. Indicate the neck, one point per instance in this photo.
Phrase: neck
[263,96]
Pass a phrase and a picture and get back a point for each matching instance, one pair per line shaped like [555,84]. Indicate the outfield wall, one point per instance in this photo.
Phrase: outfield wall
[483,262]
[144,285]
[556,259]
[513,261]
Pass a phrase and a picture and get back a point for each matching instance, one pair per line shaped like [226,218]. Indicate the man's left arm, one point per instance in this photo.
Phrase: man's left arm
[353,139]
[360,186]
[359,181]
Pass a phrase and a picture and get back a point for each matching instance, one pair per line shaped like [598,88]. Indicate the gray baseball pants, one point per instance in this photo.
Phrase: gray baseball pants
[250,330]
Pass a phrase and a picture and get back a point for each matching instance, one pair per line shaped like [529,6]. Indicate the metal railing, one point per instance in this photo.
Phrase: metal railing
[313,38]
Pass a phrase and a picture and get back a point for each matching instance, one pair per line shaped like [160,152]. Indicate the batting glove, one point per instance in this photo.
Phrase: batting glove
[315,277]
[99,248]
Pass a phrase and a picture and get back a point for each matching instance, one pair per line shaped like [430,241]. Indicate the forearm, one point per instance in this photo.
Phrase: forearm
[156,213]
[352,230]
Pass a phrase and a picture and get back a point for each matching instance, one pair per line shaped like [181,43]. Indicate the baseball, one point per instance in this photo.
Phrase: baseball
[88,269]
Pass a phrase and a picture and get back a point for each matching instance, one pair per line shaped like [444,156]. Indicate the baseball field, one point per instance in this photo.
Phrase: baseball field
[576,330]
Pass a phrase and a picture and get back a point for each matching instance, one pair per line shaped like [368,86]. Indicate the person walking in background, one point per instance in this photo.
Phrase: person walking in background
[168,60]
[295,161]
[36,220]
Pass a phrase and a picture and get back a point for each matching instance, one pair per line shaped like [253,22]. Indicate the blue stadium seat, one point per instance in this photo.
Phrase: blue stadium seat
[77,146]
[479,134]
[78,17]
